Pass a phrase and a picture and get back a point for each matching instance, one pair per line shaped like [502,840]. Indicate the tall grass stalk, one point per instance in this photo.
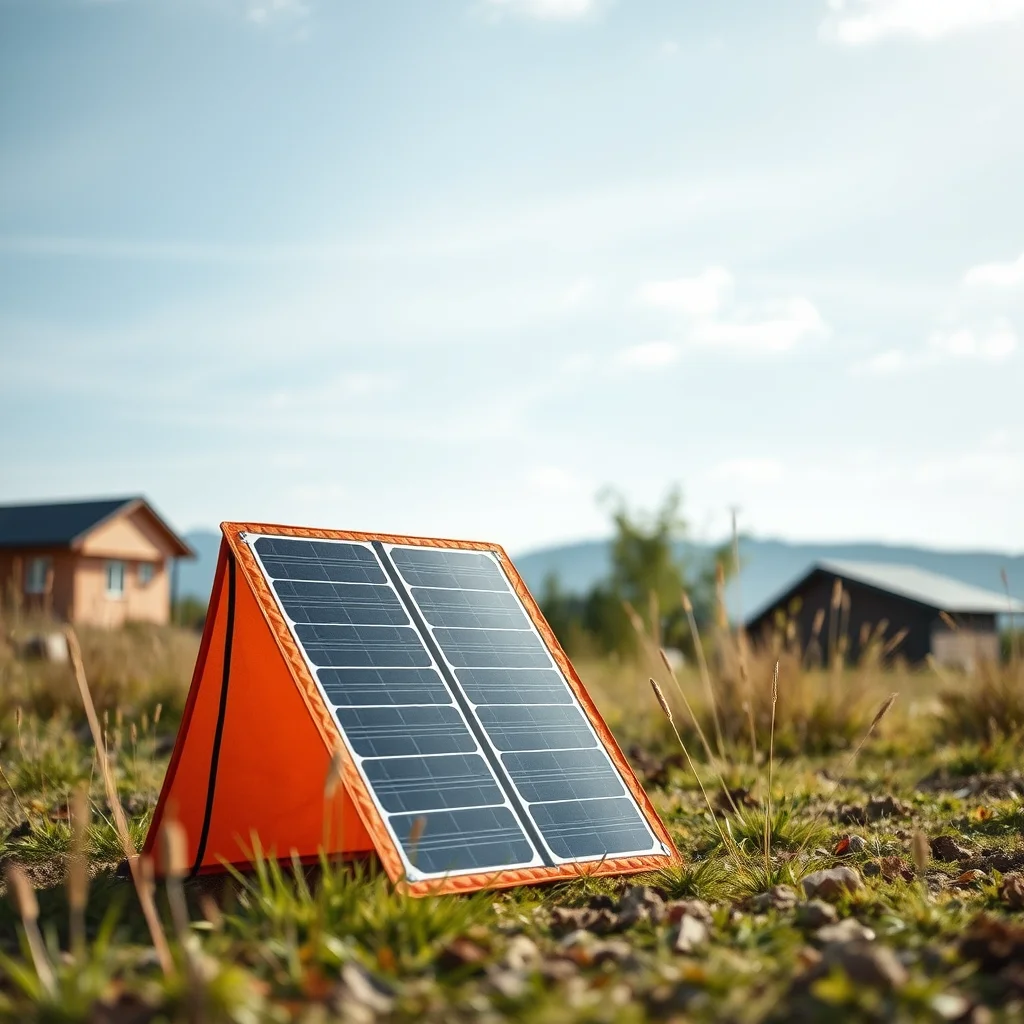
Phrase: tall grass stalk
[771,766]
[705,675]
[78,871]
[667,712]
[144,891]
[28,908]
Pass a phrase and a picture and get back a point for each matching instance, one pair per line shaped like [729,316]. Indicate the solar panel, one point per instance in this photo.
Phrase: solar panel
[469,753]
[473,746]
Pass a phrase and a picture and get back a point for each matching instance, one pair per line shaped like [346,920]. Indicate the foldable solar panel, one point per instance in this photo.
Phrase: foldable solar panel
[470,753]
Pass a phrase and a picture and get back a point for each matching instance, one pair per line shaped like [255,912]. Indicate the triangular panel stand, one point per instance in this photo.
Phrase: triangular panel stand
[249,758]
[253,757]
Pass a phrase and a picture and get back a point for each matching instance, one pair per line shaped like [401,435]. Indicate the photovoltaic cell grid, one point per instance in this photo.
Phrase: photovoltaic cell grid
[412,743]
[468,726]
[568,786]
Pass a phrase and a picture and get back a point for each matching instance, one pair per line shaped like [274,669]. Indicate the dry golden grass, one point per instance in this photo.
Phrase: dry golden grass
[133,668]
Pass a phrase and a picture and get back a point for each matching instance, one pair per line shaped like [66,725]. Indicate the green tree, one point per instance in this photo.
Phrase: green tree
[648,573]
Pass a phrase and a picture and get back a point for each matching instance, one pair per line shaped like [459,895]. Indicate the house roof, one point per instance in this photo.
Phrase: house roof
[928,588]
[64,524]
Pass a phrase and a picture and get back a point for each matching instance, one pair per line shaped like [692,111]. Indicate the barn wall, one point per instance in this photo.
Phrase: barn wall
[868,608]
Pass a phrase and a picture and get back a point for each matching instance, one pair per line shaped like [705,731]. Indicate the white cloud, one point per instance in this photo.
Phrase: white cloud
[555,481]
[649,356]
[577,363]
[893,360]
[995,345]
[749,471]
[543,10]
[796,321]
[265,12]
[996,275]
[577,293]
[861,22]
[700,297]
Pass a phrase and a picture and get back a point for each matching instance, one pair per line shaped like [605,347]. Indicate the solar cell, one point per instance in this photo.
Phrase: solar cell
[591,828]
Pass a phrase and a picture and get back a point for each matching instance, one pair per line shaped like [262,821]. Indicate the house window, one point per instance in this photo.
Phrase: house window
[115,579]
[38,571]
[146,572]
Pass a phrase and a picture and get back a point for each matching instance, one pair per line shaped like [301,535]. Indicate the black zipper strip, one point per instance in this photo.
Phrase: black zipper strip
[525,821]
[221,713]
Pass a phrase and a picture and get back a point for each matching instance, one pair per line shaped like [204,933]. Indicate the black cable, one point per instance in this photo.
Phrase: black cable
[219,733]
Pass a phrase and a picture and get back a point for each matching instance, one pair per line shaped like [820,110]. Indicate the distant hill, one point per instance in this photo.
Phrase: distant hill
[767,566]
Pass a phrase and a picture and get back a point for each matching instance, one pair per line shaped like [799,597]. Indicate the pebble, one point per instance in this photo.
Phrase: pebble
[832,883]
[815,914]
[868,964]
[690,935]
[847,930]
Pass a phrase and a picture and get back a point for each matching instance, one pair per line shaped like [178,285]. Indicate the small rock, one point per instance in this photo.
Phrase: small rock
[885,807]
[815,914]
[601,901]
[872,868]
[847,930]
[573,918]
[950,1005]
[615,951]
[461,952]
[778,897]
[679,909]
[832,883]
[892,868]
[690,935]
[993,943]
[808,957]
[851,844]
[362,988]
[580,937]
[640,903]
[851,814]
[521,954]
[1012,890]
[558,969]
[867,964]
[510,984]
[946,848]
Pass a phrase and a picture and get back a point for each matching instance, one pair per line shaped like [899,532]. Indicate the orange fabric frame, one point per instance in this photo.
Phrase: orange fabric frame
[259,747]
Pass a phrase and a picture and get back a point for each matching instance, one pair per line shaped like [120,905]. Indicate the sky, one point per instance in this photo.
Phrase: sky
[451,268]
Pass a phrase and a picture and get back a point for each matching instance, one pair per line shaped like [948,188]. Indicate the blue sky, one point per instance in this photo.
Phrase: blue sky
[451,267]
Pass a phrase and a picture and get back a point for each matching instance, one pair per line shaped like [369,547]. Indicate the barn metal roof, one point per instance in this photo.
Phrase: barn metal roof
[62,524]
[928,588]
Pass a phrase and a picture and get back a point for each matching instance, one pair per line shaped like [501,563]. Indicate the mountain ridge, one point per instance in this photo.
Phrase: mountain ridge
[767,565]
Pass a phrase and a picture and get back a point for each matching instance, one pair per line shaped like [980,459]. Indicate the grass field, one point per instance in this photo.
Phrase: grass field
[917,822]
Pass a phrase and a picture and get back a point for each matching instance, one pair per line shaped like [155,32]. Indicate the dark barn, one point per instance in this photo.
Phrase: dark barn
[953,622]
